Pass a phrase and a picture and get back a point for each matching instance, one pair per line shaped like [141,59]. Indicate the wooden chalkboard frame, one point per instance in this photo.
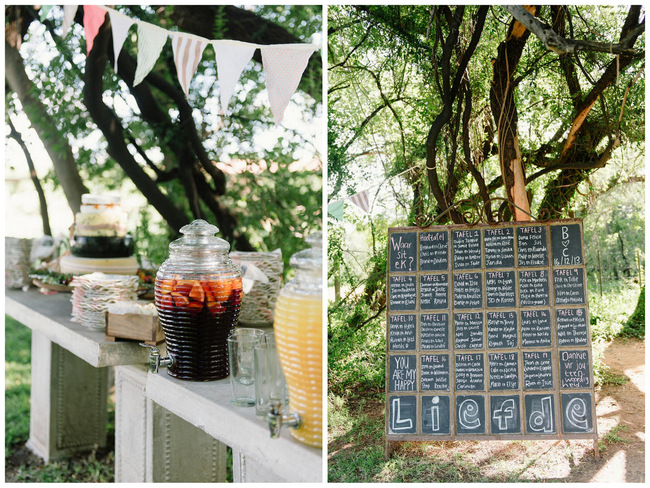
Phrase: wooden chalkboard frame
[558,394]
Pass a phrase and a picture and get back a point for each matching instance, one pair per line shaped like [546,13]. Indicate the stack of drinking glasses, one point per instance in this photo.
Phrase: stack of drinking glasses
[255,373]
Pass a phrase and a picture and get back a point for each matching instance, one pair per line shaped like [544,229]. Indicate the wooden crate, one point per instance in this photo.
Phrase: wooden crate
[133,326]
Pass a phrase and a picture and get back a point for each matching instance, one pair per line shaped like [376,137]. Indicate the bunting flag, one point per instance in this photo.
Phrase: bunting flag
[45,9]
[284,65]
[362,200]
[151,40]
[232,57]
[335,209]
[187,54]
[93,20]
[120,25]
[69,12]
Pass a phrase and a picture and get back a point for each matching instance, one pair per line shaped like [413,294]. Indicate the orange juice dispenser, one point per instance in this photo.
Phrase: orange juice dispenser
[298,326]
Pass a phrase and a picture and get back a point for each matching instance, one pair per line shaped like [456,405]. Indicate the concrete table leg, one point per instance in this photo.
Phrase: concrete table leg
[68,402]
[152,444]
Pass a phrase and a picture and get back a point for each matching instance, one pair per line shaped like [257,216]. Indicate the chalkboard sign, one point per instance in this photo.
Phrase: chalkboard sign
[499,247]
[402,291]
[434,372]
[505,414]
[468,330]
[504,370]
[575,371]
[566,242]
[501,330]
[434,331]
[468,290]
[467,248]
[434,291]
[572,329]
[488,333]
[500,289]
[569,286]
[402,251]
[434,251]
[470,372]
[538,370]
[402,332]
[436,415]
[403,372]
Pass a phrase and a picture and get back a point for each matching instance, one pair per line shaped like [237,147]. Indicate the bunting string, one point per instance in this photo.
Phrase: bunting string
[283,64]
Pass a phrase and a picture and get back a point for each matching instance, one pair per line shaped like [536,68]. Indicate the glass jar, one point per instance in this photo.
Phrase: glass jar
[198,292]
[298,326]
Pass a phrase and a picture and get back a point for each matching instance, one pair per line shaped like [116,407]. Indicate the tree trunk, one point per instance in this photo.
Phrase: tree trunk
[57,147]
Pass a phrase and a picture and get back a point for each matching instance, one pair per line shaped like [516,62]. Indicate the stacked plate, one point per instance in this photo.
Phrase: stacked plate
[17,262]
[93,293]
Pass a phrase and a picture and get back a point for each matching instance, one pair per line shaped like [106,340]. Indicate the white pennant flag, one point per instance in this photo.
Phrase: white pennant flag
[188,51]
[361,199]
[69,12]
[284,65]
[120,25]
[151,40]
[232,57]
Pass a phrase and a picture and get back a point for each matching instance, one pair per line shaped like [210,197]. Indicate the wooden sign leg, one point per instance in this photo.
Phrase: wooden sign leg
[386,450]
[596,449]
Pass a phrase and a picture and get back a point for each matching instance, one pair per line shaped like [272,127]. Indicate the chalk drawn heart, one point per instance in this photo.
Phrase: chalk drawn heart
[565,243]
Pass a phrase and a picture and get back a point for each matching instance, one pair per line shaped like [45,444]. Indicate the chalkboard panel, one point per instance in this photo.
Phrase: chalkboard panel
[533,288]
[434,291]
[470,372]
[499,245]
[402,414]
[540,414]
[571,326]
[535,328]
[435,415]
[566,243]
[500,289]
[402,290]
[577,413]
[434,331]
[538,370]
[467,249]
[569,286]
[401,332]
[434,372]
[574,369]
[403,372]
[403,251]
[505,414]
[470,414]
[434,251]
[468,290]
[504,370]
[532,247]
[501,330]
[468,330]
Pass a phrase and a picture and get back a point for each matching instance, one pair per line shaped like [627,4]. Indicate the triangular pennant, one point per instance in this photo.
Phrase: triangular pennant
[69,12]
[93,20]
[335,209]
[188,51]
[120,25]
[151,40]
[361,199]
[284,65]
[232,57]
[45,9]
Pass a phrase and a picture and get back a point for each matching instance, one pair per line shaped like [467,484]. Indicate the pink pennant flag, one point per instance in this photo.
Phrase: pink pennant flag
[120,25]
[361,199]
[151,40]
[284,65]
[69,12]
[187,54]
[93,20]
[232,57]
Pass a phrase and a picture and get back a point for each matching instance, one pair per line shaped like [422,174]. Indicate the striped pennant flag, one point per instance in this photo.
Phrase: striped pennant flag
[361,200]
[151,40]
[188,51]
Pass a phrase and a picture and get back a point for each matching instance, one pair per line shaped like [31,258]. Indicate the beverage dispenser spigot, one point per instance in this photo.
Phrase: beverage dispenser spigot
[155,359]
[276,419]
